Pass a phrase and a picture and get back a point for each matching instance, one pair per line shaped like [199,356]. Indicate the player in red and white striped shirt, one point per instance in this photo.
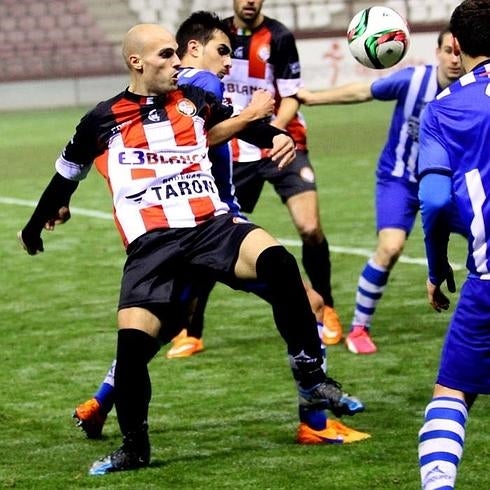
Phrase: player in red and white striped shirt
[150,143]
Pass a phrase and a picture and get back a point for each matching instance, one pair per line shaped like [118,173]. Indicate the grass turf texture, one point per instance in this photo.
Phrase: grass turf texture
[227,417]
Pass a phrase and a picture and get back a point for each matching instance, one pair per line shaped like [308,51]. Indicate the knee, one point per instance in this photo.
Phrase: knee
[387,254]
[276,264]
[311,234]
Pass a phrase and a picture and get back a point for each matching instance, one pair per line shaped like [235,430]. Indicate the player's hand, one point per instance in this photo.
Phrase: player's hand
[437,299]
[261,105]
[32,243]
[283,150]
[62,216]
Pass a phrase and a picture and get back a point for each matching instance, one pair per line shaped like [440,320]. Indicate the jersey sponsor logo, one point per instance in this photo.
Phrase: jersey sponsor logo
[154,116]
[413,124]
[295,67]
[180,186]
[237,88]
[145,157]
[436,475]
[239,52]
[186,107]
[117,129]
[264,52]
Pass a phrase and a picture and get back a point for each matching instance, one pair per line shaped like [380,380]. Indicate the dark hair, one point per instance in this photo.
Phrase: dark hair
[470,25]
[201,27]
[441,35]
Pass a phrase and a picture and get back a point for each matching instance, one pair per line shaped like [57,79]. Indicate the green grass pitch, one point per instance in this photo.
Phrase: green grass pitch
[227,417]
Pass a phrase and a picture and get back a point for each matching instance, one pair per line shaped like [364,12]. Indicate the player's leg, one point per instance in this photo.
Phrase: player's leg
[146,299]
[441,438]
[190,341]
[261,257]
[315,427]
[91,414]
[465,368]
[297,189]
[370,289]
[396,209]
[137,344]
[304,212]
[303,208]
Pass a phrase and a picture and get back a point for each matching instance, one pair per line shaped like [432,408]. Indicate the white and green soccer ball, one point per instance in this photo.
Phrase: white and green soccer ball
[378,37]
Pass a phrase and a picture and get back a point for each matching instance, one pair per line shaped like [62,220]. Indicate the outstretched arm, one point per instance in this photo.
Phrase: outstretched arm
[251,126]
[350,93]
[286,111]
[51,209]
[260,107]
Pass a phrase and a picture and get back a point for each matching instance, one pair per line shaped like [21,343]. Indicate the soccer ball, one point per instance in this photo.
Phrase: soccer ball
[378,37]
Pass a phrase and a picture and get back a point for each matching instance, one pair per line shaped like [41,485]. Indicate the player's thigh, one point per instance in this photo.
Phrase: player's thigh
[139,319]
[251,247]
[149,276]
[304,211]
[293,180]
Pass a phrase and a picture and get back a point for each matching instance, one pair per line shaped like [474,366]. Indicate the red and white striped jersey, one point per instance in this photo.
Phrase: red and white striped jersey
[264,58]
[153,153]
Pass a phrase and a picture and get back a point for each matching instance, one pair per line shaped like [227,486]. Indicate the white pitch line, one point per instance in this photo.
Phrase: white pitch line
[363,252]
[80,211]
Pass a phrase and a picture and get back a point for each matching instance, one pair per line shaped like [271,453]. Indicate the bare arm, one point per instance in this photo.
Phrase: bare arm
[287,110]
[350,93]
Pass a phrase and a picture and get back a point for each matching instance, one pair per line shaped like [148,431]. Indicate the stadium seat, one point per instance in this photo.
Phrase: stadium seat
[159,11]
[52,39]
[429,10]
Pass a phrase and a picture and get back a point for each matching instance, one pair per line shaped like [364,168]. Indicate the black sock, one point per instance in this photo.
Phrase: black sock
[316,262]
[132,385]
[278,270]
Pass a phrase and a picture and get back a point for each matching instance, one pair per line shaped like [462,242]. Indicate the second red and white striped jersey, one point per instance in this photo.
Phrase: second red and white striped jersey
[153,152]
[264,58]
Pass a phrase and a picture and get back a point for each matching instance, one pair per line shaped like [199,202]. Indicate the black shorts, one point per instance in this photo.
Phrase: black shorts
[162,263]
[249,178]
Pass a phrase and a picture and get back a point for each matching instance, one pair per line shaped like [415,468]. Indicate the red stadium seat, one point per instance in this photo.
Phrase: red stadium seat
[53,39]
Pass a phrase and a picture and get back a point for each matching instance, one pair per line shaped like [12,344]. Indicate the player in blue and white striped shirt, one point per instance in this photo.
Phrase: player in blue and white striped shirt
[396,182]
[454,167]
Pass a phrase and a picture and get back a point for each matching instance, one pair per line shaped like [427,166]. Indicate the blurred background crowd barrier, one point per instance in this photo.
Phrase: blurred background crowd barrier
[78,41]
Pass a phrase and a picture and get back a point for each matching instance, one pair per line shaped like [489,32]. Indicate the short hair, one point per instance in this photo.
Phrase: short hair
[470,24]
[200,26]
[441,35]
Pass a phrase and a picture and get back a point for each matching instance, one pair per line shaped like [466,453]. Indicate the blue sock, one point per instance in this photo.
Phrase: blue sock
[316,419]
[105,396]
[441,442]
[105,392]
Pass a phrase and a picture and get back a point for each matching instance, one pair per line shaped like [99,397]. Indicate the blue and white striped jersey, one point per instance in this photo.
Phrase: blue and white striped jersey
[455,141]
[412,88]
[220,156]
